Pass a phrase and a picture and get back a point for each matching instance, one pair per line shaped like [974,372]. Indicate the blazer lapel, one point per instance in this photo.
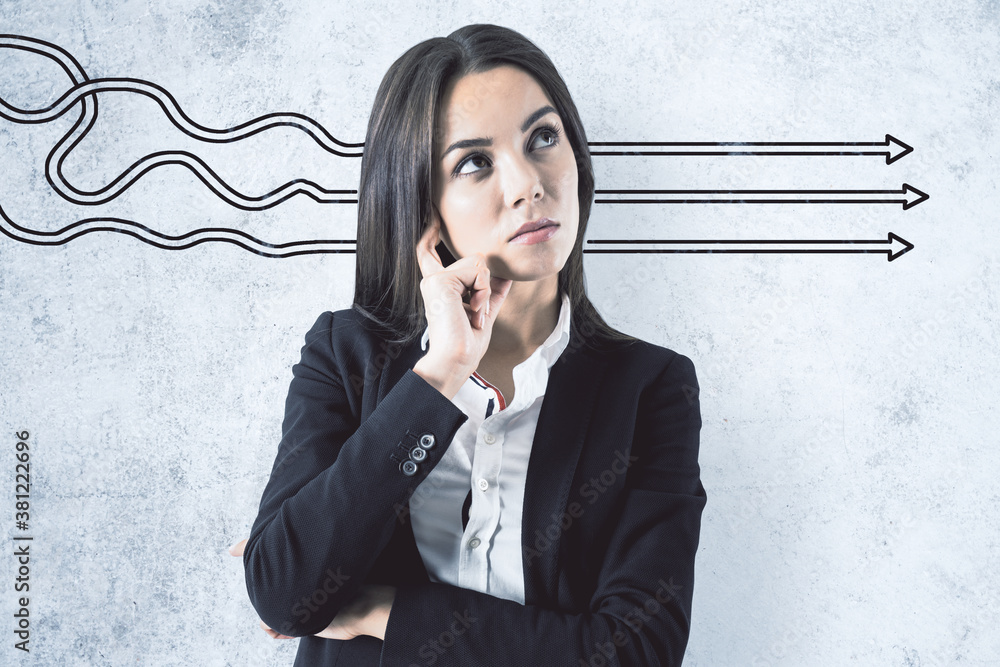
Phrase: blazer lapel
[569,401]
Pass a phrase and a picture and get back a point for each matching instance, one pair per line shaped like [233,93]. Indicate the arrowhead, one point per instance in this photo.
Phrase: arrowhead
[894,252]
[908,203]
[897,149]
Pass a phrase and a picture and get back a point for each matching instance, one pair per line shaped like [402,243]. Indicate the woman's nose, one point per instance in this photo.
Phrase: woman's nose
[521,182]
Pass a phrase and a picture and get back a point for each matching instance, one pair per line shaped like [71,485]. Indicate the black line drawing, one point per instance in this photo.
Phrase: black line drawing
[168,242]
[895,149]
[839,246]
[911,197]
[86,90]
[84,93]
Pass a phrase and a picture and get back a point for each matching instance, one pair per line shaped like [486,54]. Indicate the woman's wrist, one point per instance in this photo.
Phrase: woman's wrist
[439,376]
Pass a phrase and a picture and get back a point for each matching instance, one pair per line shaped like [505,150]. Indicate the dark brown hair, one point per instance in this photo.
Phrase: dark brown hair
[395,192]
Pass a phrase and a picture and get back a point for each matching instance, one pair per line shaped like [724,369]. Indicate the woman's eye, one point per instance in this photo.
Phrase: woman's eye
[553,136]
[469,160]
[551,133]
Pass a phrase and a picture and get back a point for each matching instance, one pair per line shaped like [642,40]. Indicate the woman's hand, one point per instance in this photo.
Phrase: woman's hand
[366,614]
[459,331]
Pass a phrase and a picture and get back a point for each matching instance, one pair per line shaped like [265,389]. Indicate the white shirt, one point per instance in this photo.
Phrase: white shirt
[466,514]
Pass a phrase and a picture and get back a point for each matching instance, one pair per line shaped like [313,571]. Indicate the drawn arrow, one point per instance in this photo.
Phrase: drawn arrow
[896,246]
[323,246]
[894,148]
[83,93]
[910,196]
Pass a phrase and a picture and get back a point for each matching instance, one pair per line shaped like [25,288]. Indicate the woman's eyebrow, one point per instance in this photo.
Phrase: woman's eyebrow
[488,141]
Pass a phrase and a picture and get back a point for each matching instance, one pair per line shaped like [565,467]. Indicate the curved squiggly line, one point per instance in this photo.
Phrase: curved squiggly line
[85,89]
[168,242]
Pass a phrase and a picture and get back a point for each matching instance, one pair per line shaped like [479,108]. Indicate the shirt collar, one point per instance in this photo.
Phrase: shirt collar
[553,346]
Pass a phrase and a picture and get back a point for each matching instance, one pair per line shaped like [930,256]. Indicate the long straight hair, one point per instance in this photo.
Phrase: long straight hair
[395,192]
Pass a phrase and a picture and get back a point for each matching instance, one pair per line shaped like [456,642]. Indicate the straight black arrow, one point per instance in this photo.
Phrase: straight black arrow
[894,246]
[909,196]
[894,149]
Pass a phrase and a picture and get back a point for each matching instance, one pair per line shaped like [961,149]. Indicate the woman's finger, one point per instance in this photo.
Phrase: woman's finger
[271,633]
[480,299]
[499,287]
[428,258]
[476,317]
[472,271]
[237,549]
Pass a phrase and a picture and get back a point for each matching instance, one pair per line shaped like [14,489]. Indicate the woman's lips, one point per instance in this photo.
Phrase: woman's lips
[534,225]
[537,236]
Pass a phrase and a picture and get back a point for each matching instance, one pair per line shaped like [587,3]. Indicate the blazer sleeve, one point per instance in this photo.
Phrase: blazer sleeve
[327,510]
[640,611]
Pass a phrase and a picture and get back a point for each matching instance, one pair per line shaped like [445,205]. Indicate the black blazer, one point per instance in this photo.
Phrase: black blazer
[612,510]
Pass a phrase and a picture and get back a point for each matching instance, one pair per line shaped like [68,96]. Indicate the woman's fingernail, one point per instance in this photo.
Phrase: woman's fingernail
[487,306]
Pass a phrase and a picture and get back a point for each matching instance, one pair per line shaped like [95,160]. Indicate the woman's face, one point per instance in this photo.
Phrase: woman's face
[501,159]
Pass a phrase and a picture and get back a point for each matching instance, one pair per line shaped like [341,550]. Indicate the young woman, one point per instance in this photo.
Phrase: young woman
[475,469]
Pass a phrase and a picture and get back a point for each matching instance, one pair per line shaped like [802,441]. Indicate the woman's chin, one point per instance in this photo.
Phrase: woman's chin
[521,271]
[523,276]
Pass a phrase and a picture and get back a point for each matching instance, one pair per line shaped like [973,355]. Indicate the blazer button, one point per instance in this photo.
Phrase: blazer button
[427,441]
[409,468]
[418,454]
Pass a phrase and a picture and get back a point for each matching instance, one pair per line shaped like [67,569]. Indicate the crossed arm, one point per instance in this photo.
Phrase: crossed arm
[333,477]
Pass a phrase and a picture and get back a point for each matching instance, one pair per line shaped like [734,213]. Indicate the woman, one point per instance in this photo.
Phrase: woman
[426,505]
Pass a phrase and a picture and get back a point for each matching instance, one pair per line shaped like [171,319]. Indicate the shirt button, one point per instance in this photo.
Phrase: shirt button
[483,485]
[474,542]
[489,438]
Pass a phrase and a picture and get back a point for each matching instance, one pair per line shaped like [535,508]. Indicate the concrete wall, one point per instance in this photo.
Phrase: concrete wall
[849,446]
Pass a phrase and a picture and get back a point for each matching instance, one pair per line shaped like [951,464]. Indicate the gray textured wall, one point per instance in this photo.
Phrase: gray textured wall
[850,436]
